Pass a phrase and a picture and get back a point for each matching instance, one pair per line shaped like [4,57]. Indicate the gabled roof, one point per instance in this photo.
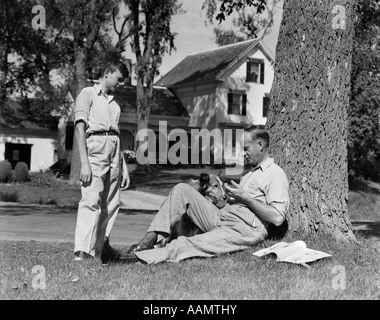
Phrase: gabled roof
[165,104]
[209,65]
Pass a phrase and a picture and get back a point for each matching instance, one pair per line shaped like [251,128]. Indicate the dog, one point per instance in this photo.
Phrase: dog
[211,187]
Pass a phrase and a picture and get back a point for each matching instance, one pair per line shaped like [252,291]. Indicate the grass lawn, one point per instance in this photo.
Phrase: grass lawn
[351,273]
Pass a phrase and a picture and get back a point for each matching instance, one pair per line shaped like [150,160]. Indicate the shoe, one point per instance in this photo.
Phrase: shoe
[109,254]
[81,255]
[146,243]
[128,258]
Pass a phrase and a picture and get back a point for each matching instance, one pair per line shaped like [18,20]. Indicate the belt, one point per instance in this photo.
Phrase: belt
[103,133]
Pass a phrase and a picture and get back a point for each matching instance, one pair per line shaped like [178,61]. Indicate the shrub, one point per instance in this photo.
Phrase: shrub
[11,196]
[5,171]
[21,172]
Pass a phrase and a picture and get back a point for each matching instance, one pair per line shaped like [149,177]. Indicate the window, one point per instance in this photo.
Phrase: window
[237,103]
[255,71]
[266,102]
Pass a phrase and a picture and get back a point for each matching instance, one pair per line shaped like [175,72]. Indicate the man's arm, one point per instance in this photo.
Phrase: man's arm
[263,210]
[80,137]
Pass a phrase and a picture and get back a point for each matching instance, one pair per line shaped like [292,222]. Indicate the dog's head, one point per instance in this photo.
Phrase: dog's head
[211,187]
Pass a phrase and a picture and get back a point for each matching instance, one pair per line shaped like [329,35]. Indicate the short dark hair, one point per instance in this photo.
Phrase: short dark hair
[113,66]
[258,132]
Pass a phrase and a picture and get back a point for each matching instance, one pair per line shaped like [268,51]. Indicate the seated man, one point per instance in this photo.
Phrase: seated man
[261,198]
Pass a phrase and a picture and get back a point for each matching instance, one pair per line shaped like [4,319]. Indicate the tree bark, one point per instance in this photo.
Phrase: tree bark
[80,77]
[307,118]
[143,113]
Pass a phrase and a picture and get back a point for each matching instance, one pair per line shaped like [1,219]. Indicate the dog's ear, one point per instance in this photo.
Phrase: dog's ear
[204,180]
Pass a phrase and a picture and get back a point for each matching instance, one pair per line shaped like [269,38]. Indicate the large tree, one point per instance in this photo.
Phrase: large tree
[307,117]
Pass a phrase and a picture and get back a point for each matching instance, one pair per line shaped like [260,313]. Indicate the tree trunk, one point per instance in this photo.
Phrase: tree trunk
[80,77]
[143,113]
[307,117]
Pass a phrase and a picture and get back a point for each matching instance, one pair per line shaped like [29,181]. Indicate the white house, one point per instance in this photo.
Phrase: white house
[31,144]
[224,88]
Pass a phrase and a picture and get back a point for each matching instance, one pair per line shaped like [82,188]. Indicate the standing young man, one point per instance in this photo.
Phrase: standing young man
[103,169]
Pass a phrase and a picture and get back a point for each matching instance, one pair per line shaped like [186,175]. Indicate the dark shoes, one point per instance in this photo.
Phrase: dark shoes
[109,254]
[146,243]
[81,256]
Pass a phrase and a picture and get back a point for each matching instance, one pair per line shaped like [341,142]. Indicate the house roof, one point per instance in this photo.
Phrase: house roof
[15,109]
[209,65]
[165,104]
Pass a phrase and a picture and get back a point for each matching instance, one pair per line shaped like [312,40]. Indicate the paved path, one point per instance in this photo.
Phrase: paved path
[57,224]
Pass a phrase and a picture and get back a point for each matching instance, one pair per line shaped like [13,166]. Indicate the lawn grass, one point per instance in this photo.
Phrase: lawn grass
[234,276]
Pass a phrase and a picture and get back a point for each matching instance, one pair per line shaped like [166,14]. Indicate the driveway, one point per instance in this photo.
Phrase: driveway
[57,224]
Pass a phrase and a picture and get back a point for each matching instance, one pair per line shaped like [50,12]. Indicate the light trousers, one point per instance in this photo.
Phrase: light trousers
[100,202]
[229,229]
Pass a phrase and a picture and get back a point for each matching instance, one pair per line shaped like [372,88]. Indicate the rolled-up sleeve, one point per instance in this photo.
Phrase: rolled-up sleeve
[82,106]
[277,193]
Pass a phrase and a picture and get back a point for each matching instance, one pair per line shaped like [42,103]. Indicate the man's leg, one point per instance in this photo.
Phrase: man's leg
[182,199]
[228,237]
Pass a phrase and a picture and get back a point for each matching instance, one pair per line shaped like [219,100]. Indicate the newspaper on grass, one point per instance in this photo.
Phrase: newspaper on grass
[294,252]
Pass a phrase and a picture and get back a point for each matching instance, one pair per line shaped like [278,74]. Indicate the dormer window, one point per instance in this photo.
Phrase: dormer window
[255,71]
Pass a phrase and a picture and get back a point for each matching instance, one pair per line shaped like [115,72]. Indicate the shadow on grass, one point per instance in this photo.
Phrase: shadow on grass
[364,186]
[368,229]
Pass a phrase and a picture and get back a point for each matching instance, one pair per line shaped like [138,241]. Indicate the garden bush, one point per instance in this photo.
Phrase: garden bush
[9,196]
[21,172]
[5,171]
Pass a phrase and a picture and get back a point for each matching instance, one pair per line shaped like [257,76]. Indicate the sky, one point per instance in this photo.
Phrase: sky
[194,36]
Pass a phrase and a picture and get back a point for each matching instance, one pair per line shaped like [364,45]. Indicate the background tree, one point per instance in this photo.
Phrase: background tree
[307,117]
[26,60]
[249,22]
[363,133]
[147,23]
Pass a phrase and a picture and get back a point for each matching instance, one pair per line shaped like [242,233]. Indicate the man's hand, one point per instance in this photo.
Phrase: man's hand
[85,174]
[236,192]
[125,180]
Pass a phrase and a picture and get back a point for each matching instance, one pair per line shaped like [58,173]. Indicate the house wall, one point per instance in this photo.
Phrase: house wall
[207,103]
[199,101]
[42,150]
[236,80]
